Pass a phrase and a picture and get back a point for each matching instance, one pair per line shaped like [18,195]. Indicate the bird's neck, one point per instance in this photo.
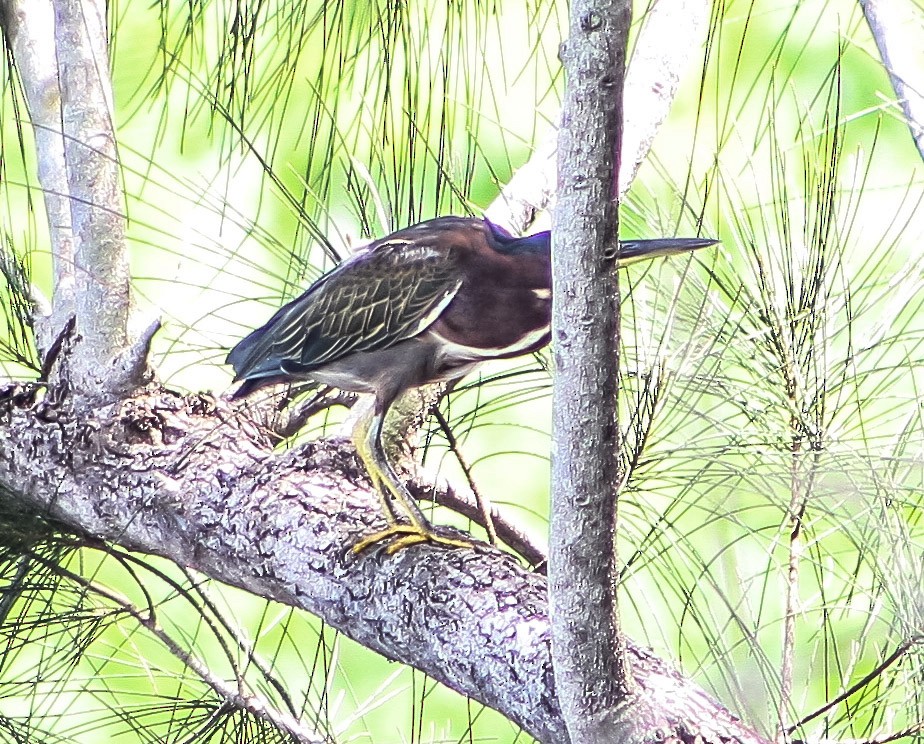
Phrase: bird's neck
[538,244]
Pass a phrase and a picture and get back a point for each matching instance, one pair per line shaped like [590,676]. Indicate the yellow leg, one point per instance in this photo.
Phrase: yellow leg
[367,438]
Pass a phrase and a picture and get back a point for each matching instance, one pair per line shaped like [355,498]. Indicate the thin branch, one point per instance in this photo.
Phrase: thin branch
[794,520]
[484,505]
[97,211]
[900,51]
[895,656]
[464,503]
[672,30]
[29,27]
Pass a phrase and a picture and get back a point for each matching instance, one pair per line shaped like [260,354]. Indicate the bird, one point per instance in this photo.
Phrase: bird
[426,304]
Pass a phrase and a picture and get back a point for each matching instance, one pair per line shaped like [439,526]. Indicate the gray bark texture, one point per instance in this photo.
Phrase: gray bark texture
[102,297]
[196,480]
[595,687]
[29,27]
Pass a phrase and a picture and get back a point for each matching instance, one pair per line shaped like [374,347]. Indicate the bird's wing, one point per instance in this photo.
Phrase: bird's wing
[391,291]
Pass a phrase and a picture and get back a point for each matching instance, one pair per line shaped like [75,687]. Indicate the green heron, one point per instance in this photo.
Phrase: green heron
[426,304]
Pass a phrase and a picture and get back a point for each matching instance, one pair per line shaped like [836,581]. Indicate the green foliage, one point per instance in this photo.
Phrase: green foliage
[17,343]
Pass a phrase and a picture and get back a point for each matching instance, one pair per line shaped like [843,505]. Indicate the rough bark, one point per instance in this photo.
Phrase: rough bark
[194,480]
[588,648]
[102,298]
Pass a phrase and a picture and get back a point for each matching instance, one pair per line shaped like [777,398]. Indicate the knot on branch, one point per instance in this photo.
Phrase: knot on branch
[76,377]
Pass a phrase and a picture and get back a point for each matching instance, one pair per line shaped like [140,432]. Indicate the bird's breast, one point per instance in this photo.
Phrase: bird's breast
[494,322]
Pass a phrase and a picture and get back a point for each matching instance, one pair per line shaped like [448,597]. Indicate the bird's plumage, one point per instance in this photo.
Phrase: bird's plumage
[386,294]
[457,284]
[426,304]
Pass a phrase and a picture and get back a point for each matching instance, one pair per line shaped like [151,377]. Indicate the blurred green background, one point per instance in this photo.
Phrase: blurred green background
[781,369]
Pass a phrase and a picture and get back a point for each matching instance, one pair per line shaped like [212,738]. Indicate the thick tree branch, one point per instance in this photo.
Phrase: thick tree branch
[192,479]
[529,191]
[671,31]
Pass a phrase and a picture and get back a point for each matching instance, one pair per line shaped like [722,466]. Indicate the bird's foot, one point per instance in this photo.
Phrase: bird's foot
[404,535]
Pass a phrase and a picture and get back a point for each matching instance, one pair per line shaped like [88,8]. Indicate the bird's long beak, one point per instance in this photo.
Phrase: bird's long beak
[631,251]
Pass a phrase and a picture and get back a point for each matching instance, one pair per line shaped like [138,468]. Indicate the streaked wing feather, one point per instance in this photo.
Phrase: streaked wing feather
[390,292]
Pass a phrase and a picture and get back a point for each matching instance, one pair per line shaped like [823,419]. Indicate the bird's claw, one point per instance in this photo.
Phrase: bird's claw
[405,535]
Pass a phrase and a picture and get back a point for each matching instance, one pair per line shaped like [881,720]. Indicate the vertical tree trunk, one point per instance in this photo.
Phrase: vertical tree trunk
[592,674]
[97,208]
[29,27]
[61,50]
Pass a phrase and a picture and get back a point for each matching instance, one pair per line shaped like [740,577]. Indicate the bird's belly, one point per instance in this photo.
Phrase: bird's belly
[417,361]
[345,376]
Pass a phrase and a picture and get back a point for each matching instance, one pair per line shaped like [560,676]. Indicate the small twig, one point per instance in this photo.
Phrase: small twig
[465,504]
[911,730]
[484,504]
[129,369]
[795,513]
[916,728]
[897,654]
[274,412]
[54,349]
[297,416]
